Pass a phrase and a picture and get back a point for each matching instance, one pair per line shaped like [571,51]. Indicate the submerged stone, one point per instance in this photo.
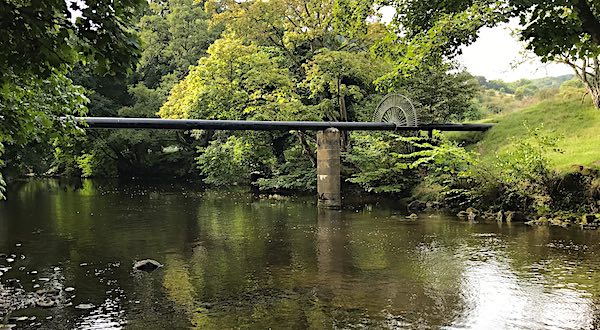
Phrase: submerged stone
[45,302]
[147,265]
[84,306]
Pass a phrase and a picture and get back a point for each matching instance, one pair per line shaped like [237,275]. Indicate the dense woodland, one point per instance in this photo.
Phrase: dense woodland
[282,60]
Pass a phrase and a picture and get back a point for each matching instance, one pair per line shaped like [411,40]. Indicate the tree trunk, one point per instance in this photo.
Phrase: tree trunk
[588,72]
[343,115]
[595,93]
[307,148]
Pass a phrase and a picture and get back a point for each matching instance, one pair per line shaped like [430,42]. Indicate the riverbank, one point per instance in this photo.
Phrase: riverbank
[542,161]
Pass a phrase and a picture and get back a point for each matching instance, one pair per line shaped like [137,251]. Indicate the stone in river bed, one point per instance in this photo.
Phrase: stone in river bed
[147,265]
[84,306]
[45,302]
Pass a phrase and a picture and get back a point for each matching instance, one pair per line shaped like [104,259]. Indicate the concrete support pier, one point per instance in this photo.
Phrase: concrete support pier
[328,169]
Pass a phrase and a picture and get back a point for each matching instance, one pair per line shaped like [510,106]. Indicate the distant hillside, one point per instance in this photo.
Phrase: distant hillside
[524,87]
[575,123]
[497,96]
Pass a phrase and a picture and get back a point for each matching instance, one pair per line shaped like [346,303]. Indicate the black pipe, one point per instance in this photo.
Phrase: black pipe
[188,124]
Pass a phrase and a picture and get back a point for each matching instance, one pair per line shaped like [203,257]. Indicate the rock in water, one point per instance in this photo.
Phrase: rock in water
[416,206]
[147,265]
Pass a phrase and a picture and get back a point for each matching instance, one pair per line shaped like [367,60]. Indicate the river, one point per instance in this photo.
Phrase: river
[231,261]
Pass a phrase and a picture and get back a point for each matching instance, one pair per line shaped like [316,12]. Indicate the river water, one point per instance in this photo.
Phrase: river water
[234,262]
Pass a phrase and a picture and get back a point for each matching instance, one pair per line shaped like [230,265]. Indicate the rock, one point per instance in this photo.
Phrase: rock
[84,306]
[472,213]
[416,206]
[539,222]
[590,226]
[10,260]
[500,217]
[147,265]
[45,302]
[462,214]
[515,216]
[412,216]
[69,289]
[588,218]
[434,205]
[559,222]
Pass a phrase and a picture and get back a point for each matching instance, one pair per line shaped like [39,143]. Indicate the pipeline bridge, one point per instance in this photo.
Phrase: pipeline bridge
[394,113]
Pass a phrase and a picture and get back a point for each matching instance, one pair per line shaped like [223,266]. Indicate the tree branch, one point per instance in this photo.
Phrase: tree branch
[589,22]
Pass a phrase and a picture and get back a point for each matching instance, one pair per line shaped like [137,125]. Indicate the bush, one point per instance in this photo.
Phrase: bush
[92,165]
[377,162]
[518,179]
[297,173]
[230,160]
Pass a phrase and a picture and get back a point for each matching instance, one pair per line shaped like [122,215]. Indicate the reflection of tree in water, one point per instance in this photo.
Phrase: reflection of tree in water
[234,262]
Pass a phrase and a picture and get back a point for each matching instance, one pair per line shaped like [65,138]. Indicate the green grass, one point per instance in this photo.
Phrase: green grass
[576,124]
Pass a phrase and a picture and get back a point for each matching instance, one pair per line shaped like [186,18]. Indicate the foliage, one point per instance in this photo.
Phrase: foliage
[40,41]
[91,166]
[175,34]
[382,162]
[29,108]
[437,94]
[39,37]
[339,79]
[296,174]
[2,182]
[235,81]
[230,161]
[524,172]
[565,31]
[284,60]
[519,179]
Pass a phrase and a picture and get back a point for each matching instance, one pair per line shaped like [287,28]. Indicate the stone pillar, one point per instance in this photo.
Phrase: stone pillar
[328,169]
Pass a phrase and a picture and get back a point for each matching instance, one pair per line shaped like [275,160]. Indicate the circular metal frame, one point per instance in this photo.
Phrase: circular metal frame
[397,109]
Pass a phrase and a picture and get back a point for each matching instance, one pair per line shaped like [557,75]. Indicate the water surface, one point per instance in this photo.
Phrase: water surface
[231,261]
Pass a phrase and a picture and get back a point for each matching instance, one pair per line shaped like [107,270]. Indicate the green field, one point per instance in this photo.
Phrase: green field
[576,124]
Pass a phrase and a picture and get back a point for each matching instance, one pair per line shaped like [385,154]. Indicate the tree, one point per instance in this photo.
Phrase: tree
[564,31]
[281,60]
[39,41]
[174,35]
[341,78]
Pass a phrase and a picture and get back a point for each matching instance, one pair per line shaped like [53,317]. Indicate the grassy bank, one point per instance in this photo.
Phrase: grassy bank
[574,123]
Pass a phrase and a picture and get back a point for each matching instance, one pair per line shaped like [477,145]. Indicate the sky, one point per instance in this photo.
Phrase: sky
[497,54]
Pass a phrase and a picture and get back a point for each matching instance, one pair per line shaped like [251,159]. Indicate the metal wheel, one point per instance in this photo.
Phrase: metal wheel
[397,109]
